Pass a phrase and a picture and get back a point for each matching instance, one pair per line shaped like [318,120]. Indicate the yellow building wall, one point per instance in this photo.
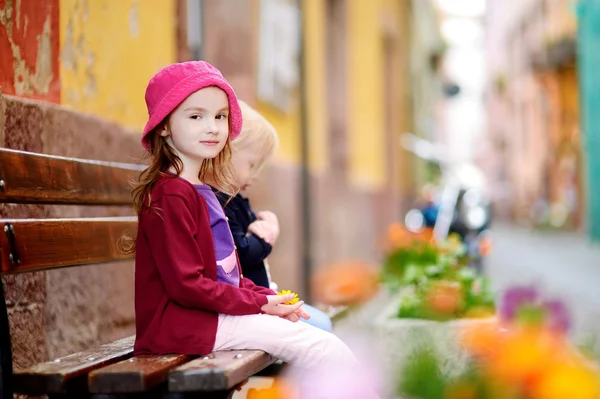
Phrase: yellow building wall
[288,123]
[397,26]
[316,90]
[109,49]
[366,92]
[366,124]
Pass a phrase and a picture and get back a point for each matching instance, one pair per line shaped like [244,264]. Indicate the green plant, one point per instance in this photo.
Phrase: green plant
[445,290]
[421,376]
[406,263]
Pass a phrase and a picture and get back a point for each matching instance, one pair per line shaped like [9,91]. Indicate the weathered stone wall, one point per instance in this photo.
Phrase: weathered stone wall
[60,311]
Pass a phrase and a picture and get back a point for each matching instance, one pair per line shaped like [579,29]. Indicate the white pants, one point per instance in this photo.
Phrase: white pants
[319,357]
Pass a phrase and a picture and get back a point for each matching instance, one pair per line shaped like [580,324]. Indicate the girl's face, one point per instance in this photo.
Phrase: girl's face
[245,166]
[199,126]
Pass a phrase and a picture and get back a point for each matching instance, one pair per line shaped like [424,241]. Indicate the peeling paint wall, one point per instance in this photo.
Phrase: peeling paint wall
[95,56]
[108,51]
[29,38]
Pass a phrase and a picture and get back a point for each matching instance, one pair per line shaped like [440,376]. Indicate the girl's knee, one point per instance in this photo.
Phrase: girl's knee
[337,351]
[322,322]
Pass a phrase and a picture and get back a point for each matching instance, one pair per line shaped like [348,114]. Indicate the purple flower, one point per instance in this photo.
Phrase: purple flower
[514,298]
[524,304]
[558,317]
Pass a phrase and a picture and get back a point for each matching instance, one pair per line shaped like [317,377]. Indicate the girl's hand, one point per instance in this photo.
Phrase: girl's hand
[297,315]
[259,228]
[302,313]
[263,230]
[271,219]
[275,305]
[293,317]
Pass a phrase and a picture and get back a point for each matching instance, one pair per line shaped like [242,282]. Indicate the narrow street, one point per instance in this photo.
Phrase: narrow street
[565,265]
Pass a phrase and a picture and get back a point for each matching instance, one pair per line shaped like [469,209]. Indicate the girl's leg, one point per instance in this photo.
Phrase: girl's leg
[319,361]
[299,344]
[317,318]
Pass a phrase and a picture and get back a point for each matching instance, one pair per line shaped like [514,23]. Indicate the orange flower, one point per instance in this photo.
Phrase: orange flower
[425,235]
[444,297]
[345,283]
[525,355]
[485,246]
[279,390]
[399,237]
[482,339]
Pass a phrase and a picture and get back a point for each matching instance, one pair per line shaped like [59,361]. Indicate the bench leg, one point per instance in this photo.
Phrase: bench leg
[6,366]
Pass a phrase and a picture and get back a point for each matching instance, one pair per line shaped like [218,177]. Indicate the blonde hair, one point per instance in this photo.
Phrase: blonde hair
[257,135]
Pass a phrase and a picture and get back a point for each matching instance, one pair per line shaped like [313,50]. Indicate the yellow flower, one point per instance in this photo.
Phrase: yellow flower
[452,245]
[293,301]
[479,312]
[573,381]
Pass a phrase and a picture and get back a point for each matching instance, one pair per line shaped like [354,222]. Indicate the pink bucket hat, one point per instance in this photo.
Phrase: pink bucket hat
[174,83]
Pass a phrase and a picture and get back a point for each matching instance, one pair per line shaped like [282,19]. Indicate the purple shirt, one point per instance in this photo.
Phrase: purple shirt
[227,266]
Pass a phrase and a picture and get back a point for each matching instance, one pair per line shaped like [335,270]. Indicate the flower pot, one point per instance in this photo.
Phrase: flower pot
[396,338]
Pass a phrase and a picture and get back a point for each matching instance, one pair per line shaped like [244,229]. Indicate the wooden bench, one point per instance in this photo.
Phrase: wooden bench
[30,245]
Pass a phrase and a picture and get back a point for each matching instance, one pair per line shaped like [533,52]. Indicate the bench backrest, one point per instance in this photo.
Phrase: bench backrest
[38,244]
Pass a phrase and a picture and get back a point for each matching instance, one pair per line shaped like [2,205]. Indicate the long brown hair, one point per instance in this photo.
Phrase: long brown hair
[217,171]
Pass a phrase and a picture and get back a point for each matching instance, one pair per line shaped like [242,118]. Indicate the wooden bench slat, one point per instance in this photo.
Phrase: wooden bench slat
[44,179]
[69,373]
[50,243]
[138,374]
[222,371]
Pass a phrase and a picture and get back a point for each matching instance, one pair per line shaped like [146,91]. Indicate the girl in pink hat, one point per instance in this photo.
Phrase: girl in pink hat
[190,295]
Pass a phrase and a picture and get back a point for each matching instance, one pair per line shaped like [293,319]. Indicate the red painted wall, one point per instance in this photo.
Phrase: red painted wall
[29,49]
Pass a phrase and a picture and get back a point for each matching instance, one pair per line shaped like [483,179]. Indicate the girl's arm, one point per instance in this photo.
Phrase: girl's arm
[179,259]
[252,250]
[247,283]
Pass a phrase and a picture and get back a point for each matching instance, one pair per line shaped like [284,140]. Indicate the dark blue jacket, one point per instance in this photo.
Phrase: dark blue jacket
[252,250]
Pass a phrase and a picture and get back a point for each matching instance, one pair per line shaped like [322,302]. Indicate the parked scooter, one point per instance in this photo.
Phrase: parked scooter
[463,209]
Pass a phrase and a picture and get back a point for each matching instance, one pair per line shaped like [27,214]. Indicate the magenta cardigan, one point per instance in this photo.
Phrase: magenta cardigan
[177,296]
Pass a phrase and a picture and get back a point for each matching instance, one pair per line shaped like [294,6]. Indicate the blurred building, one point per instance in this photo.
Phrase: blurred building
[462,116]
[533,109]
[427,51]
[365,78]
[589,59]
[341,80]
